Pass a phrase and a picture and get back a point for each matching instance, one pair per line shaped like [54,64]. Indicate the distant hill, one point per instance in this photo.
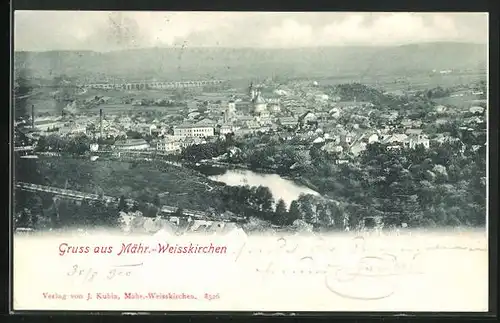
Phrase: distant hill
[230,63]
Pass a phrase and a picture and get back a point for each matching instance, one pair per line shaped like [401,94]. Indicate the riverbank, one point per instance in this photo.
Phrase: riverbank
[305,182]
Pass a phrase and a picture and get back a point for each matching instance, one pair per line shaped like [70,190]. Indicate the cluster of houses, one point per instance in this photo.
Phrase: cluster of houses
[344,127]
[336,139]
[353,143]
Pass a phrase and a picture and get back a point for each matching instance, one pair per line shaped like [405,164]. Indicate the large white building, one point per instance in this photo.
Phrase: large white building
[193,131]
[170,144]
[204,128]
[48,123]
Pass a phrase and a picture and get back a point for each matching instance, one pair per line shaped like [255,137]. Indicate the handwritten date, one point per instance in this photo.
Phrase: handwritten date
[88,274]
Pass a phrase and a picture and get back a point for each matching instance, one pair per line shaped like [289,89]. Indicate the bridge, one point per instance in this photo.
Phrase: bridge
[154,85]
[153,152]
[77,195]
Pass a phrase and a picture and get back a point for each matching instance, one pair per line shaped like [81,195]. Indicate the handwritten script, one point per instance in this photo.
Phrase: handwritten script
[349,272]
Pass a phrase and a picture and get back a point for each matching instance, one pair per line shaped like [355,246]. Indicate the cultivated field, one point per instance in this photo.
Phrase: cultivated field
[413,82]
[461,102]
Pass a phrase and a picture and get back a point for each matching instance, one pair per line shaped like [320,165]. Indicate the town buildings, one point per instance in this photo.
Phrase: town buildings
[295,113]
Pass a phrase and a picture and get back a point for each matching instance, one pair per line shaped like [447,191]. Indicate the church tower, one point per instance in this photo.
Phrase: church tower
[252,92]
[230,111]
[259,104]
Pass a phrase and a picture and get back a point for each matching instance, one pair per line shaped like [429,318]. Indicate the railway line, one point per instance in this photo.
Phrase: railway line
[78,195]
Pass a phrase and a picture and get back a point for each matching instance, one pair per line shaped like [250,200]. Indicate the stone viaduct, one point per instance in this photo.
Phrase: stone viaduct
[153,85]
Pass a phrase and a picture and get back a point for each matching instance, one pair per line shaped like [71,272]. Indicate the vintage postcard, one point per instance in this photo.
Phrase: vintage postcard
[250,161]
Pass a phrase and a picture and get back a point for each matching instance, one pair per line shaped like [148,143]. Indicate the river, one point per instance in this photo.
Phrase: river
[280,187]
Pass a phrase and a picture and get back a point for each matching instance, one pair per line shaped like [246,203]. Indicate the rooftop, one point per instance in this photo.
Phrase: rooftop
[395,138]
[192,125]
[45,122]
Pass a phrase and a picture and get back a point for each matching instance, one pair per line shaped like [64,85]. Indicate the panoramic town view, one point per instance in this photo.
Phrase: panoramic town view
[263,132]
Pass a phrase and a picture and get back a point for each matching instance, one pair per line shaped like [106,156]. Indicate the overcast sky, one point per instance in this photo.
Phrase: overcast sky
[104,31]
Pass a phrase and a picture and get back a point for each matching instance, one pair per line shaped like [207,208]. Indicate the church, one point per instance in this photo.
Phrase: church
[259,104]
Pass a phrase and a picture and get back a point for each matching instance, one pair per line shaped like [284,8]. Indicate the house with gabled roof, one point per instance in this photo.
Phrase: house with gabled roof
[395,141]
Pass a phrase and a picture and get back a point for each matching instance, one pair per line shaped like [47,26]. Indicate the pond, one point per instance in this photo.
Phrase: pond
[280,187]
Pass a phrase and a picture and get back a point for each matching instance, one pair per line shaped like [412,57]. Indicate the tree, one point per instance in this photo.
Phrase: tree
[27,170]
[179,212]
[325,216]
[53,216]
[157,201]
[316,154]
[23,219]
[97,213]
[135,206]
[306,207]
[230,141]
[294,213]
[264,199]
[42,144]
[281,217]
[148,209]
[104,215]
[35,204]
[55,143]
[85,213]
[122,204]
[79,145]
[196,153]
